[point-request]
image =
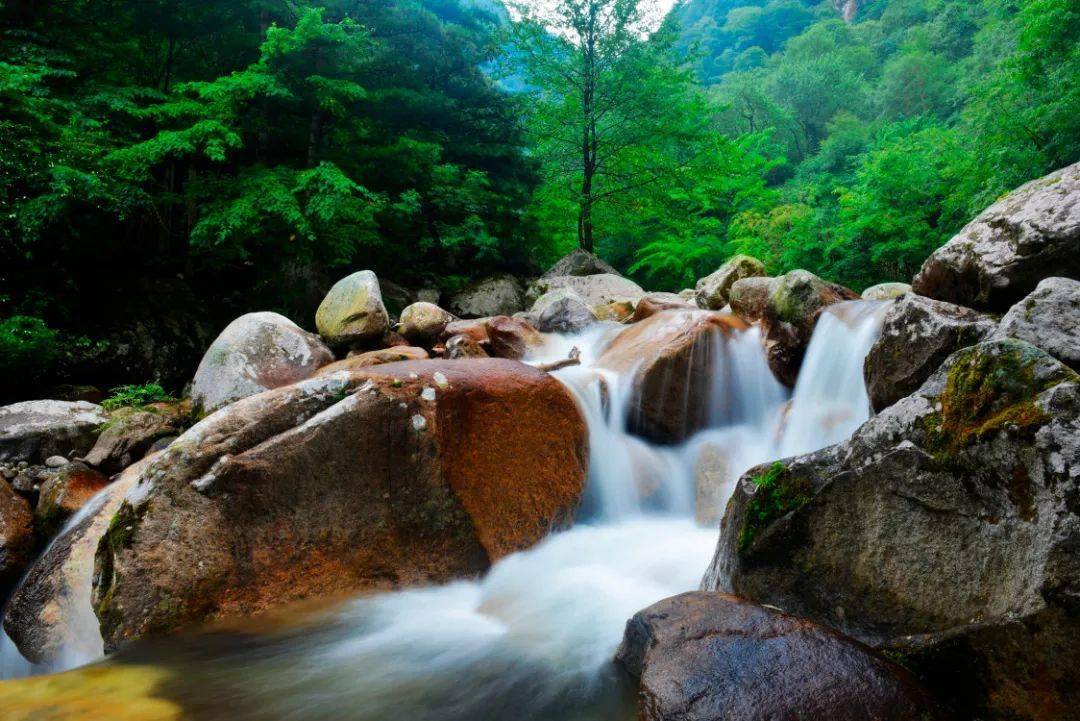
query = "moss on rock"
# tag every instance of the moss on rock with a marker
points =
(778, 493)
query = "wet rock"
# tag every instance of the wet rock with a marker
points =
(579, 262)
(131, 432)
(463, 346)
(353, 311)
(668, 359)
(749, 297)
(55, 461)
(950, 513)
(917, 335)
(423, 323)
(712, 290)
(475, 328)
(400, 474)
(374, 358)
(998, 258)
(52, 604)
(689, 295)
(715, 657)
(609, 297)
(256, 352)
(495, 295)
(885, 291)
(1049, 318)
(512, 337)
(562, 311)
(62, 495)
(653, 303)
(32, 431)
(16, 537)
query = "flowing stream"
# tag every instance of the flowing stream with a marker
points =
(534, 638)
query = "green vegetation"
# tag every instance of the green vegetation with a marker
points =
(778, 493)
(136, 396)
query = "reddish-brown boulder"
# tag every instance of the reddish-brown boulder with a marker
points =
(511, 337)
(130, 432)
(669, 358)
(463, 346)
(63, 494)
(653, 303)
(715, 657)
(16, 536)
(475, 328)
(400, 474)
(393, 354)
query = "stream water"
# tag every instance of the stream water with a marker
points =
(535, 637)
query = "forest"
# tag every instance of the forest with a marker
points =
(166, 160)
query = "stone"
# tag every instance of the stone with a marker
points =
(917, 335)
(998, 258)
(949, 517)
(749, 297)
(712, 291)
(494, 295)
(52, 604)
(598, 292)
(886, 291)
(353, 311)
(400, 474)
(463, 346)
(716, 657)
(55, 462)
(16, 538)
(668, 360)
(62, 495)
(475, 328)
(1048, 318)
(32, 431)
(256, 352)
(579, 262)
(423, 323)
(512, 337)
(130, 433)
(374, 358)
(689, 295)
(562, 311)
(653, 303)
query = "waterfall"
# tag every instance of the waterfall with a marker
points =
(534, 638)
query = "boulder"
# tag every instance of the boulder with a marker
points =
(1048, 318)
(579, 262)
(997, 259)
(949, 516)
(353, 311)
(495, 295)
(653, 303)
(401, 474)
(712, 291)
(475, 328)
(917, 335)
(423, 323)
(32, 431)
(610, 297)
(562, 311)
(689, 295)
(668, 358)
(374, 358)
(16, 537)
(130, 432)
(715, 657)
(256, 352)
(463, 346)
(749, 297)
(885, 291)
(50, 613)
(62, 495)
(512, 337)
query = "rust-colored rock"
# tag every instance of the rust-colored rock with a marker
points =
(63, 494)
(669, 356)
(475, 328)
(130, 433)
(399, 474)
(16, 537)
(463, 346)
(653, 303)
(394, 354)
(511, 337)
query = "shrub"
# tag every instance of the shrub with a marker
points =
(136, 396)
(28, 347)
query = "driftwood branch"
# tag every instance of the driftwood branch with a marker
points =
(573, 360)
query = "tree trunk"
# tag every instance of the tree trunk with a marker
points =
(588, 134)
(315, 133)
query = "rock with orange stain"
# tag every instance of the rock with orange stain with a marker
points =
(16, 537)
(63, 495)
(393, 354)
(669, 359)
(399, 474)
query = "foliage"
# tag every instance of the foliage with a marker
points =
(135, 396)
(27, 346)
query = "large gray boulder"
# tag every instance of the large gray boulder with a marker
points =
(886, 291)
(32, 431)
(496, 295)
(353, 311)
(950, 517)
(562, 311)
(579, 262)
(715, 657)
(712, 291)
(609, 297)
(256, 352)
(917, 335)
(1048, 318)
(997, 259)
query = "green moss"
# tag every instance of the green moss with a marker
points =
(779, 492)
(122, 527)
(136, 396)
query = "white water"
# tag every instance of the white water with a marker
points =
(534, 638)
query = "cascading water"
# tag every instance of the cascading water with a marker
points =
(535, 637)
